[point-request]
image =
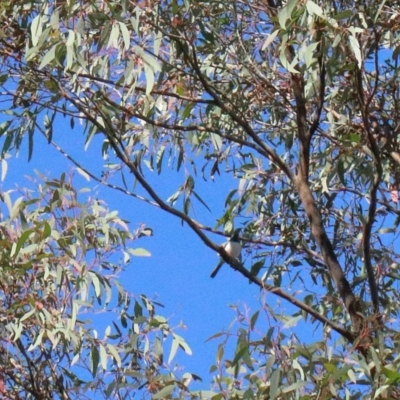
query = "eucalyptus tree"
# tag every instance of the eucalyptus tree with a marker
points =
(59, 284)
(297, 101)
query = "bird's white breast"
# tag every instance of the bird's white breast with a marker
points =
(233, 249)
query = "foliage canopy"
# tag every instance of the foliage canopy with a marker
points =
(297, 100)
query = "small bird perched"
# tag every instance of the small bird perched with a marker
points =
(232, 247)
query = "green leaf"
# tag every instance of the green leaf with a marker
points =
(37, 342)
(21, 242)
(254, 319)
(201, 200)
(310, 57)
(284, 15)
(46, 230)
(294, 386)
(257, 266)
(157, 42)
(164, 392)
(178, 342)
(115, 354)
(74, 314)
(343, 15)
(125, 35)
(103, 357)
(274, 383)
(355, 45)
(174, 349)
(292, 321)
(27, 315)
(387, 230)
(30, 143)
(49, 57)
(150, 60)
(314, 9)
(187, 110)
(355, 138)
(270, 39)
(146, 232)
(160, 156)
(216, 141)
(114, 35)
(149, 80)
(94, 358)
(206, 32)
(139, 252)
(96, 284)
(392, 374)
(4, 169)
(36, 29)
(3, 79)
(352, 376)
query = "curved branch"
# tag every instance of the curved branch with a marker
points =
(198, 228)
(233, 138)
(231, 261)
(364, 106)
(307, 199)
(237, 266)
(328, 254)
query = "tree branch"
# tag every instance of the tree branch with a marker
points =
(328, 254)
(270, 153)
(364, 106)
(232, 138)
(322, 82)
(124, 156)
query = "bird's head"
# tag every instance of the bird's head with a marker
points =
(235, 235)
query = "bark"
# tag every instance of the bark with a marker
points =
(329, 256)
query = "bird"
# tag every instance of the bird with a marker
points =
(232, 247)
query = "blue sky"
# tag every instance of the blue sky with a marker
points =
(177, 273)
